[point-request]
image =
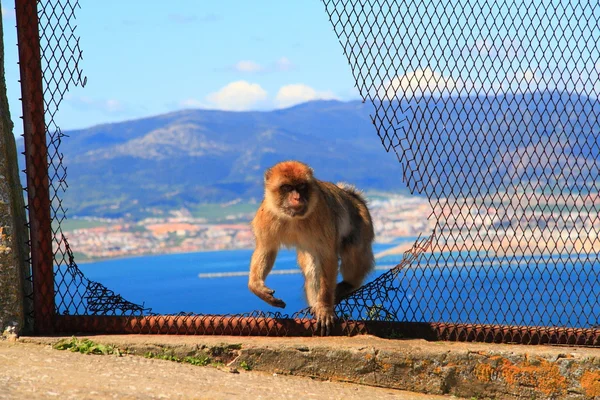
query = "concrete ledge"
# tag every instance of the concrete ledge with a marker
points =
(471, 370)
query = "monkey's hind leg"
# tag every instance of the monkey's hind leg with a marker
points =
(319, 284)
(310, 270)
(357, 262)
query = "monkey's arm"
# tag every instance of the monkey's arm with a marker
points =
(261, 264)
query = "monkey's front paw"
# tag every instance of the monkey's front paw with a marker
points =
(275, 302)
(324, 316)
(266, 294)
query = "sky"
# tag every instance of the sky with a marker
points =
(143, 58)
(149, 57)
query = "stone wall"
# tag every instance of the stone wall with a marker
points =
(13, 247)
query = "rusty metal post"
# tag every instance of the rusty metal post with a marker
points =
(36, 161)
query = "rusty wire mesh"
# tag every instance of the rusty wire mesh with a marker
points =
(491, 107)
(58, 58)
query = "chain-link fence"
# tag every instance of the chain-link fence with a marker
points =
(492, 110)
(49, 56)
(61, 70)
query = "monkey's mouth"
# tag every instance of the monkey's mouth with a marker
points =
(296, 211)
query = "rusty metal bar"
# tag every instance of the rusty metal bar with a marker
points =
(256, 326)
(183, 325)
(517, 334)
(203, 325)
(36, 161)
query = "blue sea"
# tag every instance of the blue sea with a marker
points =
(172, 283)
(559, 290)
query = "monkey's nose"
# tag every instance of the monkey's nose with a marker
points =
(296, 203)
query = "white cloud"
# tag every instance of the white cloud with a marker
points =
(290, 95)
(533, 79)
(596, 78)
(484, 44)
(113, 105)
(527, 80)
(529, 75)
(284, 64)
(109, 106)
(485, 47)
(182, 18)
(238, 96)
(248, 66)
(192, 103)
(418, 83)
(8, 13)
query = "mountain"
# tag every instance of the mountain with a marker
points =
(474, 145)
(454, 146)
(202, 156)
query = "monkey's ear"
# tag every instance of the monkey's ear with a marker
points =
(268, 174)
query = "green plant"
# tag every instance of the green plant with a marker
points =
(244, 365)
(163, 356)
(377, 312)
(85, 346)
(198, 361)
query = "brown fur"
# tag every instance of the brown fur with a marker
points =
(324, 222)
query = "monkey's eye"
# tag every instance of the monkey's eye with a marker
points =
(301, 187)
(286, 188)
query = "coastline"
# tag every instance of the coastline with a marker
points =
(528, 243)
(125, 257)
(131, 256)
(523, 246)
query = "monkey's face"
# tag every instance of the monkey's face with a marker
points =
(289, 189)
(294, 198)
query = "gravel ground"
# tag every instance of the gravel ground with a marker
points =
(32, 371)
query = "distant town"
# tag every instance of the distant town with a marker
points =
(96, 238)
(563, 225)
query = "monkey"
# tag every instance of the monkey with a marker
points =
(326, 223)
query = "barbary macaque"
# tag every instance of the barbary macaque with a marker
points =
(325, 223)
